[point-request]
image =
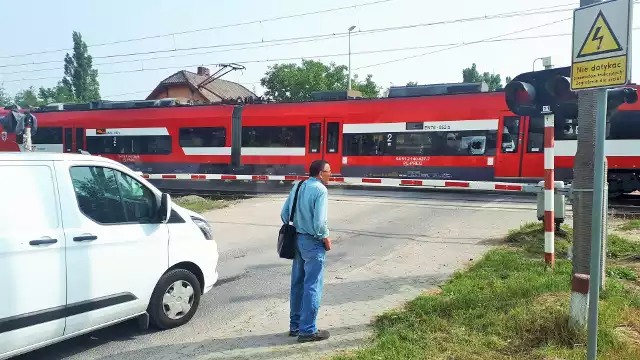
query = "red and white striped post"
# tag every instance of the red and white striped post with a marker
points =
(549, 221)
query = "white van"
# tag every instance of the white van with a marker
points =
(85, 243)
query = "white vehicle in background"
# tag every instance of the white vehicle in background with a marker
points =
(86, 243)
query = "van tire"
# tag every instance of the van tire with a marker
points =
(167, 283)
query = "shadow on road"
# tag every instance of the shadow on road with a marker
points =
(344, 292)
(244, 346)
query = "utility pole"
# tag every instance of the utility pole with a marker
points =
(582, 202)
(350, 30)
(600, 61)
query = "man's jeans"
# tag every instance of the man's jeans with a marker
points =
(307, 275)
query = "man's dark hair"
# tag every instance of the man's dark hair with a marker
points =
(316, 167)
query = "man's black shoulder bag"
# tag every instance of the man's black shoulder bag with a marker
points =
(287, 235)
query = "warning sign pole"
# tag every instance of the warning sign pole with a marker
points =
(600, 60)
(597, 223)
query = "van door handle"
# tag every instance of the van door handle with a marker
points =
(85, 238)
(43, 242)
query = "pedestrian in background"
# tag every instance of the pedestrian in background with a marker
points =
(312, 239)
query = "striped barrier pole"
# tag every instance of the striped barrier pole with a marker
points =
(549, 221)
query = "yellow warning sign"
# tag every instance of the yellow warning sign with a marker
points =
(600, 40)
(599, 73)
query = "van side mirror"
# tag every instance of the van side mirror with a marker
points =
(165, 208)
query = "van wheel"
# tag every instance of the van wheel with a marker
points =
(175, 299)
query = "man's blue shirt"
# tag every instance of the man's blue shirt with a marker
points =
(311, 213)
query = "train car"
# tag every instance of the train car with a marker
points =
(467, 136)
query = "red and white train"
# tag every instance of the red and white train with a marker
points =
(469, 136)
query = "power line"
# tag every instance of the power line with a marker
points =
(206, 29)
(449, 47)
(293, 40)
(463, 44)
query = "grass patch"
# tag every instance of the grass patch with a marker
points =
(621, 247)
(507, 305)
(201, 204)
(630, 225)
(622, 272)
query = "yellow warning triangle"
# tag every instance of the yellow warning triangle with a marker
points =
(600, 40)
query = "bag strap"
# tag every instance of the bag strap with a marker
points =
(295, 202)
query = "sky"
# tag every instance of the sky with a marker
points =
(46, 26)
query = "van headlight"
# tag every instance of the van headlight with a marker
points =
(204, 227)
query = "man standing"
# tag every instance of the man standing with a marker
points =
(312, 239)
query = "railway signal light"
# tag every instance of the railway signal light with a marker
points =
(528, 93)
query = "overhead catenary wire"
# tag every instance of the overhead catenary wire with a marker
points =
(490, 39)
(206, 29)
(294, 40)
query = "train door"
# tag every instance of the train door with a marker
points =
(533, 155)
(510, 152)
(324, 142)
(73, 139)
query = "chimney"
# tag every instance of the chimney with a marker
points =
(203, 71)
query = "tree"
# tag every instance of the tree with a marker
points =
(292, 82)
(81, 79)
(472, 75)
(27, 98)
(5, 99)
(412, 83)
(507, 80)
(56, 94)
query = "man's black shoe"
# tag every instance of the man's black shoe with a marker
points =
(318, 336)
(293, 333)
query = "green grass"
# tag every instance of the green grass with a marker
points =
(201, 204)
(507, 305)
(622, 272)
(630, 225)
(620, 247)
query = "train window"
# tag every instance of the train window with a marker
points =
(139, 145)
(565, 129)
(414, 144)
(366, 144)
(315, 132)
(624, 125)
(45, 135)
(80, 138)
(68, 139)
(510, 134)
(333, 134)
(460, 143)
(273, 136)
(203, 137)
(535, 144)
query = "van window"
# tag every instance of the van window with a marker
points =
(33, 207)
(138, 200)
(97, 194)
(109, 196)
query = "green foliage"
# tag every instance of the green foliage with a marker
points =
(412, 83)
(630, 225)
(620, 247)
(27, 98)
(472, 75)
(508, 305)
(530, 237)
(80, 79)
(200, 204)
(56, 94)
(292, 82)
(622, 272)
(5, 98)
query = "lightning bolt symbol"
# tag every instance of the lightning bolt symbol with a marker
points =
(596, 37)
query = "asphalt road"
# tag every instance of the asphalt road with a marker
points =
(388, 246)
